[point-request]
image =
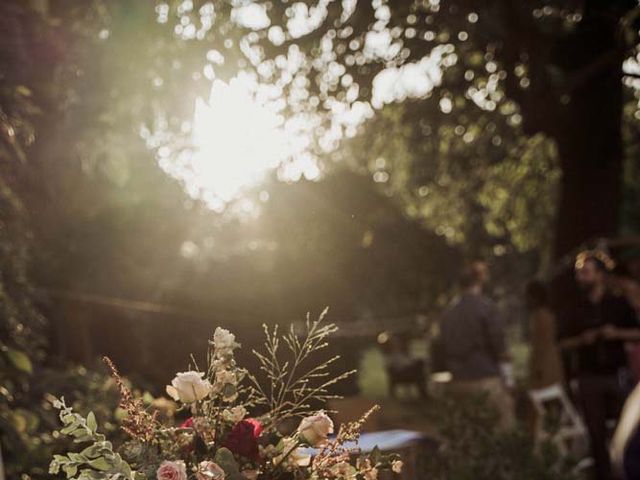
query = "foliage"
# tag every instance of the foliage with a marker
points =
(473, 447)
(22, 325)
(526, 218)
(27, 422)
(530, 65)
(97, 460)
(108, 219)
(457, 174)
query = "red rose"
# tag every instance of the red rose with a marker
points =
(188, 423)
(243, 439)
(190, 446)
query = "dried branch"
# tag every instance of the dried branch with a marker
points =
(138, 423)
(291, 383)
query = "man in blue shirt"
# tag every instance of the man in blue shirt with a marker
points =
(474, 345)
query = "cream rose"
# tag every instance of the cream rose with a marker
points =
(315, 429)
(208, 470)
(224, 342)
(172, 471)
(189, 387)
(396, 466)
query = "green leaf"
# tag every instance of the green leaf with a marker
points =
(20, 360)
(70, 428)
(147, 398)
(24, 420)
(19, 421)
(375, 455)
(91, 422)
(24, 91)
(77, 457)
(93, 451)
(228, 463)
(70, 470)
(54, 467)
(100, 464)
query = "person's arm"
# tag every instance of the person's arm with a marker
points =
(588, 337)
(626, 334)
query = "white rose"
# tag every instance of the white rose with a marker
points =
(189, 387)
(396, 466)
(315, 429)
(209, 470)
(234, 415)
(172, 471)
(224, 342)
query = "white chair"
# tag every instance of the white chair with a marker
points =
(570, 436)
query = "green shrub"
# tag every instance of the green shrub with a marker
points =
(473, 448)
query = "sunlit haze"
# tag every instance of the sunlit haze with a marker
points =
(237, 141)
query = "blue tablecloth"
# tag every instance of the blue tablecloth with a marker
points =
(386, 440)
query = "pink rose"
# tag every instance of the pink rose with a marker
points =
(172, 471)
(210, 471)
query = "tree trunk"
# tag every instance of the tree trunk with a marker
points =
(588, 127)
(591, 159)
(575, 97)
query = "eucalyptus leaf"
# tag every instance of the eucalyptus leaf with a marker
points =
(91, 422)
(100, 464)
(20, 360)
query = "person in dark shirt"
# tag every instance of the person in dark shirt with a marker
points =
(594, 331)
(473, 343)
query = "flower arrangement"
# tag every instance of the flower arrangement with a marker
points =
(220, 440)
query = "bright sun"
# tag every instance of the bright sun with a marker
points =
(238, 141)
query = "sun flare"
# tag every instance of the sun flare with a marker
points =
(237, 140)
